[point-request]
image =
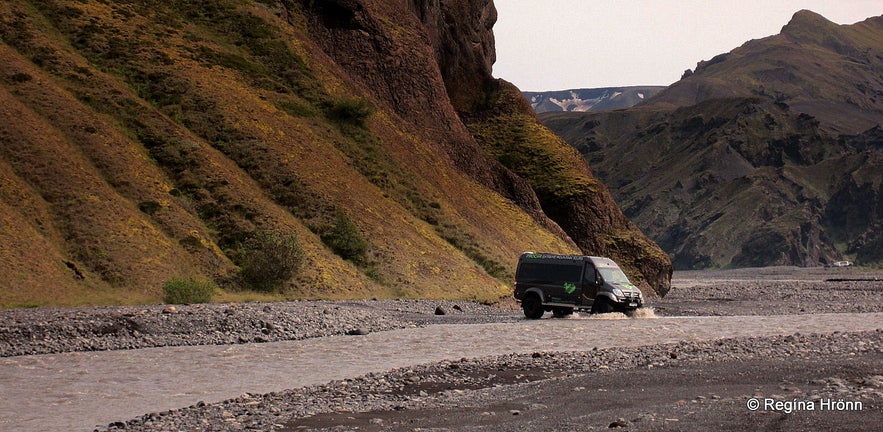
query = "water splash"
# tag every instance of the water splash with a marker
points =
(641, 313)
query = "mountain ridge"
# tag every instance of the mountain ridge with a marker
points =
(744, 161)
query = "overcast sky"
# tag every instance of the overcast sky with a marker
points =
(565, 44)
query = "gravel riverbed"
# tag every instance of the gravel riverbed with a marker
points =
(383, 401)
(476, 390)
(769, 291)
(55, 330)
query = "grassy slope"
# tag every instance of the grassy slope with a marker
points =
(141, 145)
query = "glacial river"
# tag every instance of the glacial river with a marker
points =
(79, 391)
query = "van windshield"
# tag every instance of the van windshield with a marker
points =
(614, 275)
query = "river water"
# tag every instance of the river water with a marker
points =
(79, 391)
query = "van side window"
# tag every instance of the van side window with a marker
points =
(589, 277)
(537, 272)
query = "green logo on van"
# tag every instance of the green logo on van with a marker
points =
(569, 287)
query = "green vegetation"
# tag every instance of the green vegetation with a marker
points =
(350, 111)
(530, 150)
(268, 259)
(467, 244)
(344, 239)
(188, 290)
(184, 153)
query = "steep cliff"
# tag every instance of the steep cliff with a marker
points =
(494, 111)
(145, 140)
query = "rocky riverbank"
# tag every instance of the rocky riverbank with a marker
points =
(493, 392)
(45, 331)
(770, 291)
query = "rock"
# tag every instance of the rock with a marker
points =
(170, 310)
(358, 332)
(440, 311)
(620, 423)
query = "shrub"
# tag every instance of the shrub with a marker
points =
(188, 290)
(21, 77)
(149, 207)
(344, 240)
(350, 111)
(269, 259)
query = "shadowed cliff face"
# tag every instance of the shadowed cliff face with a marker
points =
(567, 189)
(465, 52)
(461, 48)
(577, 202)
(391, 55)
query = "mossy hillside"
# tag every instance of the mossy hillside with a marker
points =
(530, 150)
(214, 126)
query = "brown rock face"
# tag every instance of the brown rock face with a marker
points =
(441, 67)
(401, 62)
(465, 52)
(434, 64)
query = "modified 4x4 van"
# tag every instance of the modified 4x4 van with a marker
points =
(562, 283)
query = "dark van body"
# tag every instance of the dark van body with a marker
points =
(563, 283)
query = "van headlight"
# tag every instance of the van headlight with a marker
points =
(618, 293)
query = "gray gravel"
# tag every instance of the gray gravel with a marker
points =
(467, 382)
(459, 383)
(773, 291)
(55, 330)
(768, 291)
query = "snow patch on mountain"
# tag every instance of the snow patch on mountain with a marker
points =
(582, 100)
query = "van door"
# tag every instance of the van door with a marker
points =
(561, 281)
(590, 284)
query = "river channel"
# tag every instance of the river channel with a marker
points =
(79, 391)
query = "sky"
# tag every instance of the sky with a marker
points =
(547, 45)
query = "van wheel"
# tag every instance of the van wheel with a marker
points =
(561, 312)
(602, 305)
(533, 307)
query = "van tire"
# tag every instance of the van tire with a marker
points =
(561, 312)
(602, 305)
(532, 306)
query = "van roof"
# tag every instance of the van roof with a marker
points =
(596, 260)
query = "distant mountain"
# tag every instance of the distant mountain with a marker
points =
(146, 141)
(584, 100)
(771, 154)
